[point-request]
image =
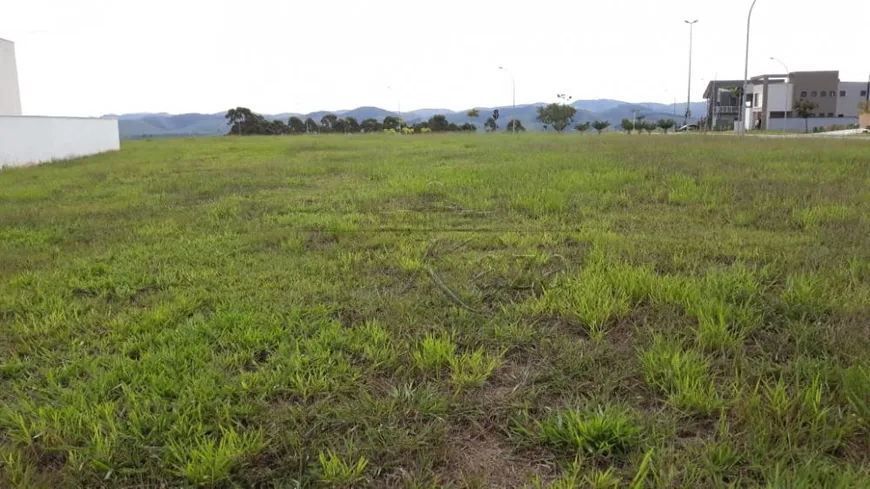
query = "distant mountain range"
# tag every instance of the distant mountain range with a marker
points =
(141, 125)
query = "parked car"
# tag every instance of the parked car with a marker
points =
(688, 127)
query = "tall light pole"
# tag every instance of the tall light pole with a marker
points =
(514, 92)
(668, 92)
(398, 101)
(689, 97)
(787, 79)
(742, 127)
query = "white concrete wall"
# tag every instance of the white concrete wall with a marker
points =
(797, 124)
(10, 98)
(776, 97)
(31, 140)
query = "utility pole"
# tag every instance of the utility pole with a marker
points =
(742, 127)
(514, 92)
(787, 89)
(689, 97)
(398, 102)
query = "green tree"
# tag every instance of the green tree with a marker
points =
(351, 125)
(468, 127)
(296, 125)
(805, 108)
(600, 126)
(311, 127)
(371, 125)
(453, 127)
(242, 121)
(627, 125)
(666, 124)
(327, 123)
(392, 122)
(473, 114)
(582, 128)
(559, 115)
(235, 117)
(490, 125)
(439, 123)
(517, 123)
(276, 128)
(649, 127)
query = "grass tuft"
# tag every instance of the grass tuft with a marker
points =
(472, 369)
(336, 472)
(601, 431)
(434, 353)
(208, 460)
(682, 375)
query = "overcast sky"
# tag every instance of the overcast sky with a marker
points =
(91, 57)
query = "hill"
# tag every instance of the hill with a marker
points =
(139, 125)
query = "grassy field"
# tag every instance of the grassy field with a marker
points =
(460, 311)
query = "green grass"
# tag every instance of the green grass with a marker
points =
(438, 311)
(601, 431)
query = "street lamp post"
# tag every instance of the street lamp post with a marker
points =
(689, 97)
(742, 119)
(787, 79)
(514, 94)
(668, 92)
(398, 101)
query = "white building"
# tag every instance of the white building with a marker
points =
(10, 98)
(770, 100)
(774, 96)
(28, 140)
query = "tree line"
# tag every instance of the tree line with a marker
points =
(243, 121)
(558, 116)
(641, 124)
